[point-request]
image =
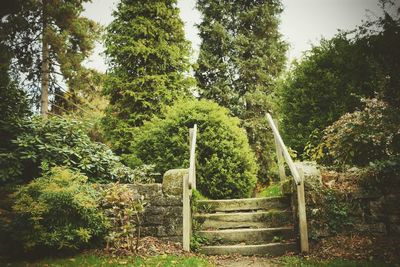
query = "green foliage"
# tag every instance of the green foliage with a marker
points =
(58, 211)
(70, 38)
(197, 241)
(149, 57)
(328, 81)
(59, 141)
(241, 54)
(382, 176)
(328, 209)
(13, 102)
(273, 190)
(14, 107)
(361, 137)
(336, 211)
(125, 210)
(85, 103)
(225, 164)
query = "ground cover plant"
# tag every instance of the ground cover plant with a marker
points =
(88, 260)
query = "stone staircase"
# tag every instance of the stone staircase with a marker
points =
(251, 226)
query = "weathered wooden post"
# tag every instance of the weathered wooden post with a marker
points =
(189, 183)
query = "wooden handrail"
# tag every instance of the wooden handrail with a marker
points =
(286, 155)
(189, 183)
(298, 178)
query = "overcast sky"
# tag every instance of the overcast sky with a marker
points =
(303, 22)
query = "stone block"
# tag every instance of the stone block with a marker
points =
(312, 175)
(173, 181)
(166, 201)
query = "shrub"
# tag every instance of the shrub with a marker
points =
(225, 164)
(58, 141)
(126, 211)
(58, 211)
(361, 137)
(382, 176)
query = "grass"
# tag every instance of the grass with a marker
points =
(108, 261)
(302, 262)
(273, 190)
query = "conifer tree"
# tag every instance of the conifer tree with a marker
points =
(148, 57)
(48, 40)
(241, 55)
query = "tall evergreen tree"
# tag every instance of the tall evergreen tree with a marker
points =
(48, 40)
(241, 54)
(148, 56)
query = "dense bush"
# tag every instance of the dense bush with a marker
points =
(327, 82)
(361, 137)
(382, 176)
(58, 141)
(225, 164)
(58, 211)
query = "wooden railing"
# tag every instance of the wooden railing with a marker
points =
(283, 155)
(189, 183)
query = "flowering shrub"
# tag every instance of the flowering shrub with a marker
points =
(361, 137)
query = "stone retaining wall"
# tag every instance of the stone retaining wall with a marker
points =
(364, 212)
(162, 216)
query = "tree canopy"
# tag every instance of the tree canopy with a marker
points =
(148, 56)
(241, 55)
(48, 41)
(329, 81)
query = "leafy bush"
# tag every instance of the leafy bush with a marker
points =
(126, 211)
(362, 137)
(328, 211)
(59, 141)
(326, 83)
(225, 164)
(382, 176)
(58, 211)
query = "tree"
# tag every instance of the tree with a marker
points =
(148, 57)
(332, 77)
(48, 40)
(241, 54)
(14, 105)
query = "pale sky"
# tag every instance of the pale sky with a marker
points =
(303, 22)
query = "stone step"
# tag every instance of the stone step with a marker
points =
(272, 249)
(248, 236)
(228, 205)
(260, 219)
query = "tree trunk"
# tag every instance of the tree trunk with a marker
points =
(45, 76)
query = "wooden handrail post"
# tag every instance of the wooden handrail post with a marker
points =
(189, 183)
(303, 229)
(298, 177)
(186, 213)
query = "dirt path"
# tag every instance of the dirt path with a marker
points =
(244, 262)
